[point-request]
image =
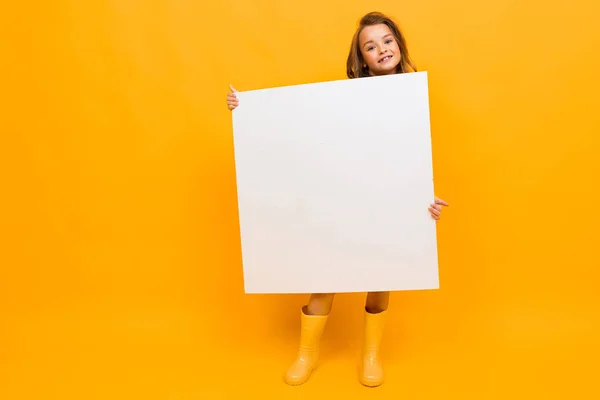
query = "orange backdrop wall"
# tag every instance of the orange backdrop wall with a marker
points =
(120, 271)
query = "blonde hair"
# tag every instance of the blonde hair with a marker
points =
(355, 63)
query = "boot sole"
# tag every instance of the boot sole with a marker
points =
(371, 384)
(298, 383)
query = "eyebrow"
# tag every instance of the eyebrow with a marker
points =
(370, 41)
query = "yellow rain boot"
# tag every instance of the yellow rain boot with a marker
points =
(371, 369)
(312, 327)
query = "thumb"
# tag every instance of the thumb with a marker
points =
(232, 89)
(440, 201)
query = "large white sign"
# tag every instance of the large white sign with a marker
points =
(334, 180)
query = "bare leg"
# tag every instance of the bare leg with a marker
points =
(320, 303)
(377, 302)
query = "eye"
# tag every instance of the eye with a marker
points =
(388, 41)
(370, 48)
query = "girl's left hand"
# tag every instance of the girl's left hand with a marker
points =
(436, 208)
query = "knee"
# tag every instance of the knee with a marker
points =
(322, 296)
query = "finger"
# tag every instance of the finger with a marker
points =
(435, 206)
(232, 89)
(433, 211)
(440, 201)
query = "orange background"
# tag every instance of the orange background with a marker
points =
(120, 265)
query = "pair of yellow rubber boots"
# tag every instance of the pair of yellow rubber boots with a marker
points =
(312, 326)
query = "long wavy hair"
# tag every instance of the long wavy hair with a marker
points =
(355, 64)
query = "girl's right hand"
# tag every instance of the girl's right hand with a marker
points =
(232, 100)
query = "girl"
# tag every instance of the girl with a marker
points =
(378, 48)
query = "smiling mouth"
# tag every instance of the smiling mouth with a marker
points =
(384, 59)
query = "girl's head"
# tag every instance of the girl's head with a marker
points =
(378, 48)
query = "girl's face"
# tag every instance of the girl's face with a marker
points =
(379, 49)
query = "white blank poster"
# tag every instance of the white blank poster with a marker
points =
(334, 180)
